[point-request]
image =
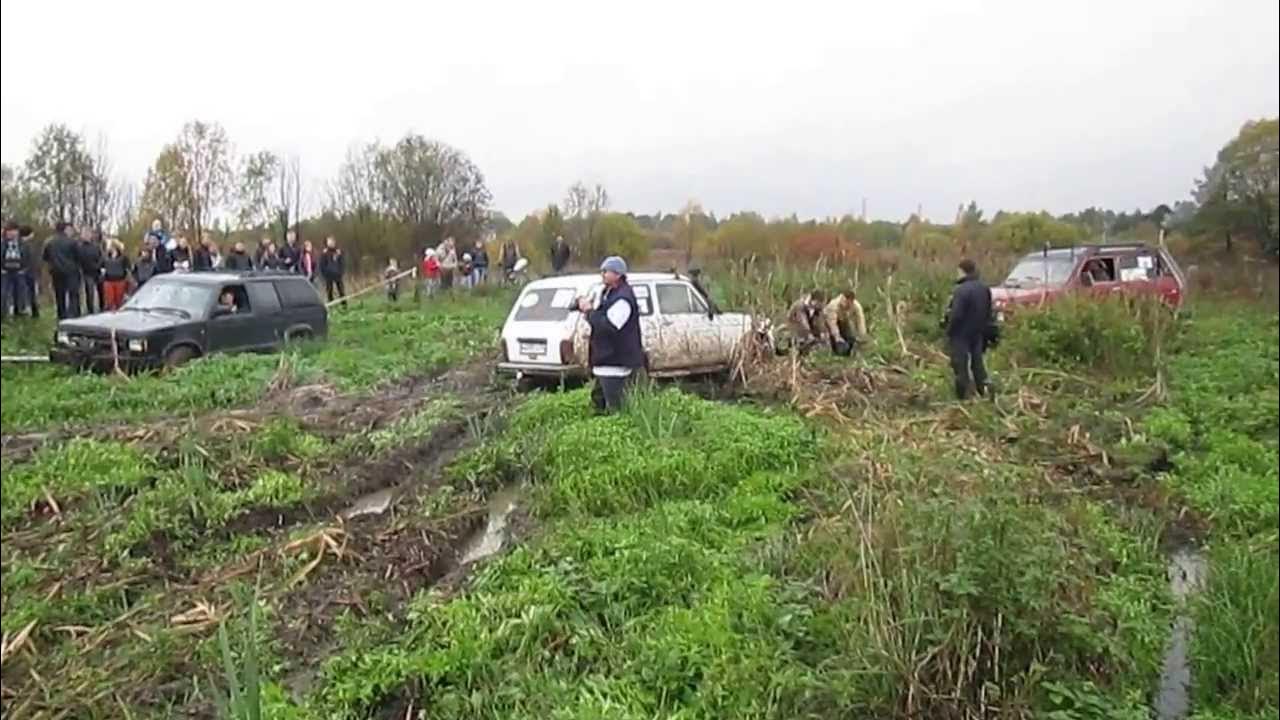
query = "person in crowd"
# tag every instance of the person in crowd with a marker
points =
(215, 255)
(464, 270)
(332, 268)
(144, 268)
(388, 277)
(238, 259)
(307, 261)
(61, 254)
(268, 259)
(845, 323)
(228, 300)
(559, 255)
(115, 276)
(510, 256)
(968, 321)
(89, 253)
(202, 258)
(695, 279)
(13, 283)
(31, 273)
(479, 265)
(156, 234)
(448, 263)
(805, 321)
(616, 350)
(431, 271)
(181, 254)
(290, 254)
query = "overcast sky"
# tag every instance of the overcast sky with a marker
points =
(777, 107)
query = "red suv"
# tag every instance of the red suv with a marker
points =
(1095, 269)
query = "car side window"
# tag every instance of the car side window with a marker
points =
(675, 299)
(264, 298)
(297, 293)
(643, 300)
(236, 298)
(1099, 270)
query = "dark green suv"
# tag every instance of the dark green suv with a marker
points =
(176, 317)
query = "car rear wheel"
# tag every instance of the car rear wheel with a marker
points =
(178, 356)
(297, 335)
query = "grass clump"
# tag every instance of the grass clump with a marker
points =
(104, 470)
(1114, 337)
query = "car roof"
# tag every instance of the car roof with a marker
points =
(1083, 250)
(222, 277)
(583, 279)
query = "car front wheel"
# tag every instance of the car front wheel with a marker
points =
(178, 356)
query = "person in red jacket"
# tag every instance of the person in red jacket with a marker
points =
(430, 272)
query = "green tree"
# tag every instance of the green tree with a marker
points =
(741, 236)
(64, 177)
(583, 209)
(253, 206)
(165, 190)
(619, 234)
(206, 166)
(1240, 193)
(432, 187)
(1022, 232)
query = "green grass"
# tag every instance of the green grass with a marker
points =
(369, 343)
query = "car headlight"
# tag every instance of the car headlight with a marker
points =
(137, 345)
(63, 338)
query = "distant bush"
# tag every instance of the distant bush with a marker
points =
(1118, 337)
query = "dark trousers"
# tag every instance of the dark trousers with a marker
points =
(843, 342)
(92, 294)
(966, 363)
(33, 294)
(66, 295)
(609, 393)
(335, 283)
(13, 292)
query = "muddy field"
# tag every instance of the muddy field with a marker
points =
(827, 537)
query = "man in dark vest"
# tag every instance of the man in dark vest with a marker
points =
(616, 349)
(968, 323)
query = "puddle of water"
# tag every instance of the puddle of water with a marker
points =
(494, 535)
(374, 503)
(1186, 572)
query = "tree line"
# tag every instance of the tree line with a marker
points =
(393, 200)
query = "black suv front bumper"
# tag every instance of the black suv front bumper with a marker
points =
(101, 360)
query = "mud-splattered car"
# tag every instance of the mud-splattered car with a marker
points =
(546, 337)
(1092, 270)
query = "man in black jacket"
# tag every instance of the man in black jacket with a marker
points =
(616, 349)
(332, 268)
(968, 319)
(238, 260)
(62, 255)
(290, 254)
(559, 255)
(90, 254)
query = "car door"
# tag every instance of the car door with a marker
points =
(687, 334)
(271, 318)
(236, 331)
(1099, 276)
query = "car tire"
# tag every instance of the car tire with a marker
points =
(179, 356)
(297, 335)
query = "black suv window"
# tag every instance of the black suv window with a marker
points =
(239, 298)
(297, 292)
(263, 295)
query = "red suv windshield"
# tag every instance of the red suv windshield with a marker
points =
(1053, 268)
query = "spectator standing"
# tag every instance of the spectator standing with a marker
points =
(559, 255)
(307, 263)
(332, 268)
(430, 271)
(448, 263)
(510, 256)
(238, 260)
(63, 258)
(215, 255)
(202, 258)
(31, 272)
(89, 252)
(969, 317)
(13, 284)
(267, 258)
(115, 276)
(289, 254)
(145, 267)
(479, 265)
(393, 286)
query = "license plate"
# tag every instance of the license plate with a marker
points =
(533, 348)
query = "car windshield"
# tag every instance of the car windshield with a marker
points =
(1033, 270)
(551, 304)
(191, 301)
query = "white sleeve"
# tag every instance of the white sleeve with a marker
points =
(619, 313)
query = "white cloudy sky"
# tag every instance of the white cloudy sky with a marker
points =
(772, 106)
